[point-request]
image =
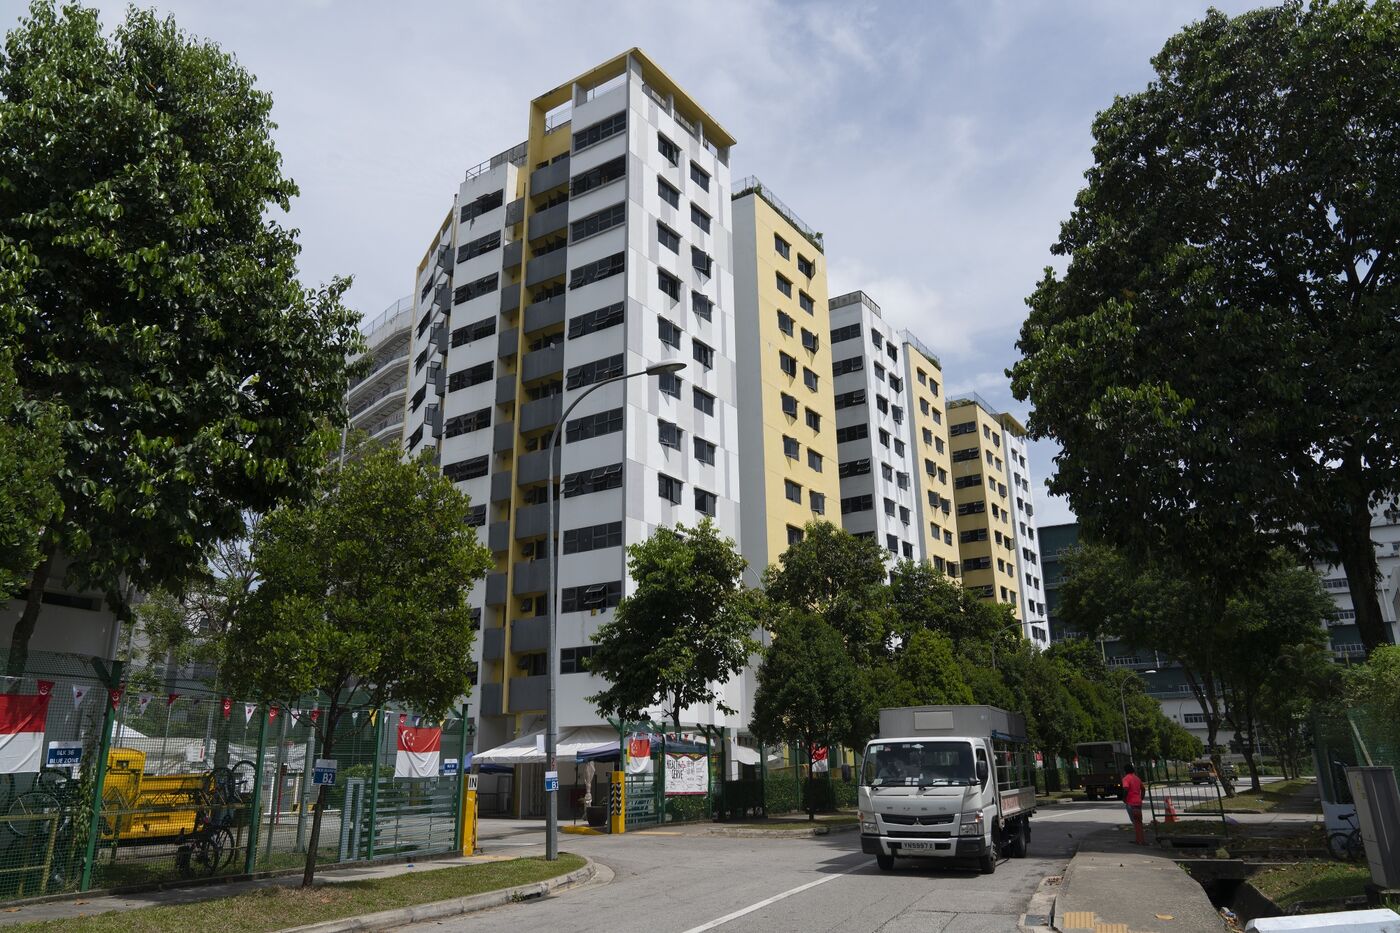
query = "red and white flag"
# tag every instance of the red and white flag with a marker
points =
(79, 692)
(22, 721)
(248, 710)
(821, 763)
(143, 701)
(419, 752)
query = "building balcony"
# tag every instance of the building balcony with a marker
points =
(368, 406)
(496, 589)
(528, 693)
(505, 389)
(442, 298)
(500, 486)
(531, 521)
(541, 363)
(541, 413)
(503, 436)
(512, 254)
(529, 634)
(507, 342)
(510, 298)
(515, 212)
(445, 260)
(490, 699)
(542, 314)
(498, 536)
(549, 177)
(543, 268)
(534, 467)
(493, 644)
(530, 576)
(550, 220)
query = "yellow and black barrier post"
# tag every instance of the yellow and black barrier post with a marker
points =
(466, 830)
(617, 803)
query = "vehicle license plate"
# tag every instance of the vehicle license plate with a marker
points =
(917, 846)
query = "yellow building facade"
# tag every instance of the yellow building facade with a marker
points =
(933, 465)
(982, 502)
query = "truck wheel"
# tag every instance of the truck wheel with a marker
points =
(1022, 842)
(886, 862)
(988, 862)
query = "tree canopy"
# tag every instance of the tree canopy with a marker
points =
(195, 374)
(683, 632)
(1217, 359)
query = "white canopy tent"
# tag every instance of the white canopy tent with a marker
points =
(529, 748)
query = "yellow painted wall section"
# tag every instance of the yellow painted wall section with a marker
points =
(996, 520)
(778, 467)
(924, 381)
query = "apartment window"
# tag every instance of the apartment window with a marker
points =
(668, 237)
(473, 332)
(849, 332)
(901, 480)
(790, 447)
(603, 129)
(853, 364)
(976, 534)
(929, 468)
(784, 285)
(857, 504)
(604, 174)
(814, 460)
(972, 508)
(977, 563)
(700, 176)
(785, 323)
(794, 534)
(597, 222)
(892, 544)
(596, 271)
(792, 491)
(805, 302)
(817, 501)
(898, 447)
(669, 284)
(806, 266)
(595, 371)
(704, 451)
(963, 482)
(487, 202)
(593, 537)
(814, 421)
(669, 193)
(466, 424)
(575, 660)
(849, 399)
(595, 596)
(897, 414)
(465, 378)
(927, 435)
(789, 404)
(876, 340)
(701, 261)
(783, 247)
(882, 404)
(700, 218)
(810, 343)
(669, 488)
(596, 425)
(599, 319)
(879, 373)
(670, 334)
(923, 405)
(942, 475)
(476, 516)
(668, 149)
(938, 444)
(892, 353)
(670, 435)
(466, 469)
(705, 502)
(479, 247)
(884, 438)
(852, 433)
(887, 472)
(933, 387)
(937, 416)
(704, 401)
(809, 379)
(482, 286)
(701, 304)
(788, 364)
(703, 353)
(896, 383)
(963, 456)
(597, 479)
(670, 384)
(854, 467)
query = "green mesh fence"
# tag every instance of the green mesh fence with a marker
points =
(194, 784)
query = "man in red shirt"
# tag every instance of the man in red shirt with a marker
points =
(1132, 798)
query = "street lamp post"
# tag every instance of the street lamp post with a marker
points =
(1123, 702)
(551, 736)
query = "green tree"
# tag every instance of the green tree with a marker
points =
(361, 593)
(805, 684)
(924, 671)
(1218, 357)
(922, 597)
(1301, 678)
(196, 376)
(841, 578)
(683, 632)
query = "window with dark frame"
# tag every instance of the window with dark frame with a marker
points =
(669, 284)
(705, 502)
(669, 488)
(704, 401)
(669, 150)
(704, 451)
(669, 193)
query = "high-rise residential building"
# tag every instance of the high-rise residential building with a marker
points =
(874, 440)
(932, 461)
(787, 423)
(598, 246)
(377, 398)
(984, 444)
(1031, 581)
(1342, 634)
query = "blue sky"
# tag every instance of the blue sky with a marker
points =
(937, 145)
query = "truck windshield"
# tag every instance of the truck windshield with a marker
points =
(918, 764)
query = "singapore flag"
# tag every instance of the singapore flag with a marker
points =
(22, 721)
(418, 754)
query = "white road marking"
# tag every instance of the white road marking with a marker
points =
(764, 903)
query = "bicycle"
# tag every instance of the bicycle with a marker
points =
(1347, 846)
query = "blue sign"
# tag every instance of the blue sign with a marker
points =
(64, 755)
(551, 781)
(324, 772)
(449, 766)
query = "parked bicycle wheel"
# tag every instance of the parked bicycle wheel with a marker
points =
(245, 772)
(227, 846)
(54, 780)
(204, 857)
(29, 814)
(1346, 846)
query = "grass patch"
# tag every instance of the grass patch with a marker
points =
(1271, 796)
(1312, 881)
(276, 908)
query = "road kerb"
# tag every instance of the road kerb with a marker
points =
(1040, 912)
(437, 910)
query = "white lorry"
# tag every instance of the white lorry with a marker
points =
(947, 782)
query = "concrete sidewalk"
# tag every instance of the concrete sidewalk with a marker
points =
(1112, 886)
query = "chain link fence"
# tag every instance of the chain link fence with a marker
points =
(119, 778)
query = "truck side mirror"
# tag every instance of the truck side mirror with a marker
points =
(981, 771)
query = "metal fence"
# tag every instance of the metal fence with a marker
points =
(130, 783)
(1186, 814)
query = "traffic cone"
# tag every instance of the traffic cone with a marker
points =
(1171, 811)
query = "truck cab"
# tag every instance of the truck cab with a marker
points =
(947, 782)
